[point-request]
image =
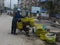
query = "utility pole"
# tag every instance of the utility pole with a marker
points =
(18, 3)
(10, 6)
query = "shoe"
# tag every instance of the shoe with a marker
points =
(15, 33)
(11, 32)
(28, 35)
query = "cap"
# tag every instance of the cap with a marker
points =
(18, 10)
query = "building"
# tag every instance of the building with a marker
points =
(18, 5)
(1, 4)
(28, 3)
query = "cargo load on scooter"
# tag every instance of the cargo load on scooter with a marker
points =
(19, 25)
(24, 19)
(51, 37)
(31, 21)
(40, 29)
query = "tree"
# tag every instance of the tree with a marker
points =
(51, 7)
(15, 8)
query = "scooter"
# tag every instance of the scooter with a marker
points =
(24, 24)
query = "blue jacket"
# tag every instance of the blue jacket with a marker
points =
(18, 16)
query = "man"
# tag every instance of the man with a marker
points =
(38, 15)
(16, 17)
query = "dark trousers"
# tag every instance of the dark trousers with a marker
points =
(25, 28)
(14, 24)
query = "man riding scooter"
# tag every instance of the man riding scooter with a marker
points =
(16, 17)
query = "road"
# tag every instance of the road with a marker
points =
(8, 39)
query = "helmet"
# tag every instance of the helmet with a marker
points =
(18, 9)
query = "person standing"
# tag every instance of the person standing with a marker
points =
(16, 17)
(37, 14)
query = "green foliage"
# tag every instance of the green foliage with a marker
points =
(15, 8)
(50, 5)
(58, 0)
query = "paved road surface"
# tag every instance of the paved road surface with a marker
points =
(7, 39)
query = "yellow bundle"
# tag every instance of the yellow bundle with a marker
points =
(39, 29)
(19, 25)
(31, 21)
(24, 19)
(42, 37)
(39, 26)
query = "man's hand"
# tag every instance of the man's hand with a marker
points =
(19, 20)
